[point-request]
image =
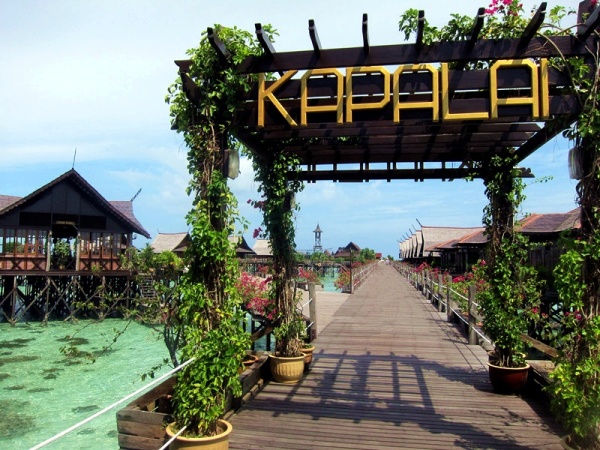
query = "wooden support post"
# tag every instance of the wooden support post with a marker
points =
(312, 308)
(430, 295)
(472, 332)
(440, 303)
(430, 286)
(449, 314)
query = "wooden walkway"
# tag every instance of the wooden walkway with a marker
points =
(390, 372)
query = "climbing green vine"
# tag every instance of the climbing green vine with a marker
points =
(512, 297)
(279, 190)
(209, 314)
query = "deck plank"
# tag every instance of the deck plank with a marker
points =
(390, 372)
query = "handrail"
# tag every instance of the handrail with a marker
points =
(108, 408)
(442, 294)
(362, 274)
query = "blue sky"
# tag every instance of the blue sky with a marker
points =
(91, 77)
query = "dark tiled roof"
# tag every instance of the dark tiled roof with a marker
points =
(550, 223)
(475, 238)
(7, 200)
(122, 210)
(434, 236)
(125, 207)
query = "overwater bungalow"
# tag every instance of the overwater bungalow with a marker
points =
(59, 243)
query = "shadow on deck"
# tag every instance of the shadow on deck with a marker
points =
(390, 372)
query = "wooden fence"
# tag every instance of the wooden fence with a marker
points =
(437, 288)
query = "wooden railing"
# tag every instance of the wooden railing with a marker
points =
(359, 274)
(437, 288)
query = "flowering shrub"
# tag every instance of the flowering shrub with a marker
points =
(308, 275)
(461, 283)
(263, 270)
(508, 7)
(343, 280)
(255, 296)
(421, 267)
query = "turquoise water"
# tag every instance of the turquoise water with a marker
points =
(43, 392)
(328, 284)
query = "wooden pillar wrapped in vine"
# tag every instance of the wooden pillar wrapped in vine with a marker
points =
(512, 295)
(278, 191)
(575, 383)
(209, 317)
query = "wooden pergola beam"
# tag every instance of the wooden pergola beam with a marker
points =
(264, 40)
(365, 33)
(191, 90)
(420, 29)
(419, 173)
(534, 25)
(314, 37)
(218, 45)
(477, 25)
(484, 49)
(592, 22)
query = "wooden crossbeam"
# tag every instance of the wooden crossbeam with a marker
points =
(534, 25)
(477, 26)
(484, 49)
(541, 137)
(365, 33)
(191, 90)
(264, 40)
(420, 29)
(314, 37)
(592, 22)
(218, 45)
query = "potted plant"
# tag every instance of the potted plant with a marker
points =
(278, 190)
(288, 362)
(511, 298)
(308, 349)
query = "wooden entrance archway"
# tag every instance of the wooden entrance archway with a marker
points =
(407, 111)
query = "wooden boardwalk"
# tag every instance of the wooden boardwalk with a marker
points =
(390, 372)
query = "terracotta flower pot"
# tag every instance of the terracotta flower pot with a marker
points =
(508, 380)
(217, 442)
(287, 369)
(308, 356)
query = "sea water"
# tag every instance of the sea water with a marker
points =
(44, 391)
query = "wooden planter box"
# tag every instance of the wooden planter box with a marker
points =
(141, 424)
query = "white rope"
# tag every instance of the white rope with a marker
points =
(173, 438)
(108, 408)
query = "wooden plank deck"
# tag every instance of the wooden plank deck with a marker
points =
(390, 372)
